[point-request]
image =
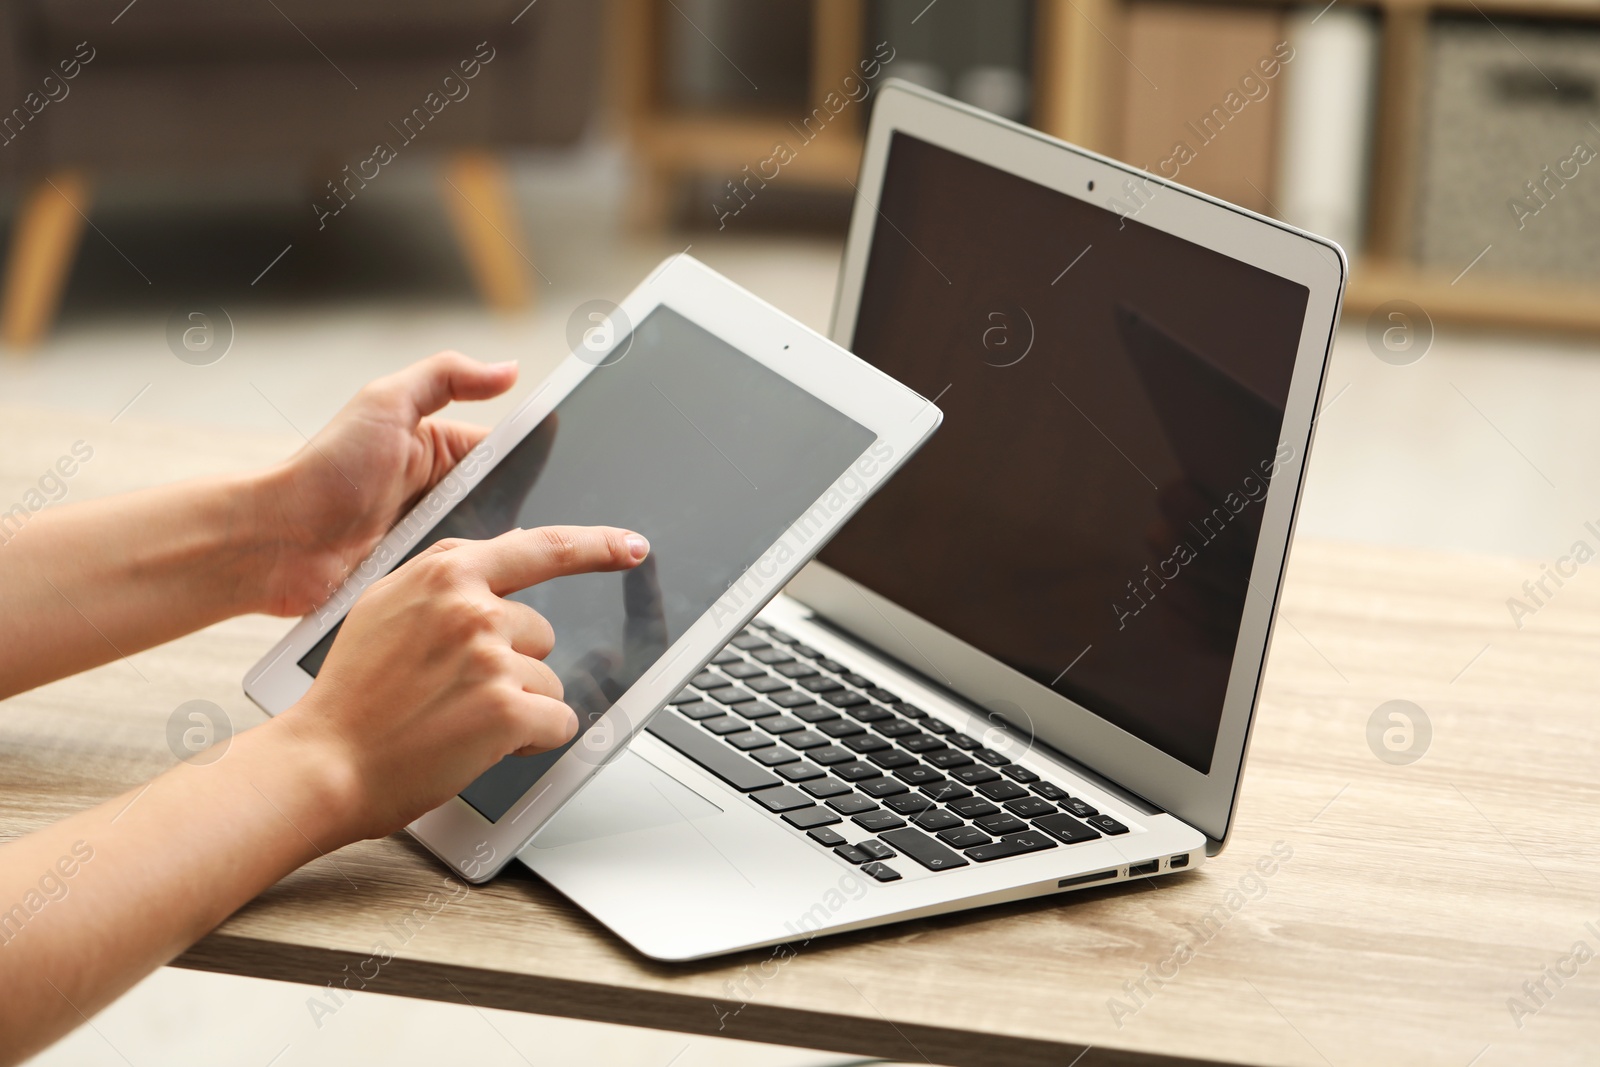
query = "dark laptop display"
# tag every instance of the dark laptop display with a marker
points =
(1089, 512)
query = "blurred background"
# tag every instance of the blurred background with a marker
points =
(234, 214)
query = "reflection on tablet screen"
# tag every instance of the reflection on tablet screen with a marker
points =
(687, 440)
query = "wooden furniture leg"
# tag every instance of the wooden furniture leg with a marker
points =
(477, 195)
(48, 226)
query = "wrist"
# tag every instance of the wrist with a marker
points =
(309, 778)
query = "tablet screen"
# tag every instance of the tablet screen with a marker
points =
(705, 451)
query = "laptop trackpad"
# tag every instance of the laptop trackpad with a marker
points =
(631, 794)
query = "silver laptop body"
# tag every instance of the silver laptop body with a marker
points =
(932, 717)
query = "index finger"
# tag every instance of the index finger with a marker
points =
(520, 558)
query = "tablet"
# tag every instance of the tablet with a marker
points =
(733, 437)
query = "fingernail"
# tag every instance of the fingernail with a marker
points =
(572, 725)
(638, 546)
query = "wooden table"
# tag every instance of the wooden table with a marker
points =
(1418, 899)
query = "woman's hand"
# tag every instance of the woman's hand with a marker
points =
(331, 503)
(434, 677)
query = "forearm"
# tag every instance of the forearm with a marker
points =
(88, 583)
(92, 904)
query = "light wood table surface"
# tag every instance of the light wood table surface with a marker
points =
(1417, 902)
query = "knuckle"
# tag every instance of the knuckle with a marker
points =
(559, 545)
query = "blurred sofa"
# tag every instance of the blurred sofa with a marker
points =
(91, 89)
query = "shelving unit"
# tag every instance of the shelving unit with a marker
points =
(1077, 69)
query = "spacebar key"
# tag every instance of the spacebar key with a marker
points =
(710, 752)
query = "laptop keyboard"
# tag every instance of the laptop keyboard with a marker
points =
(816, 743)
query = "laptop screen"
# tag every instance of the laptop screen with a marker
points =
(1088, 514)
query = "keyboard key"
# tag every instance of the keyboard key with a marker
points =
(780, 635)
(767, 684)
(883, 787)
(964, 836)
(879, 693)
(918, 775)
(749, 642)
(889, 759)
(800, 772)
(731, 694)
(685, 696)
(908, 804)
(1081, 808)
(881, 871)
(974, 775)
(1067, 828)
(771, 656)
(988, 755)
(806, 818)
(1049, 790)
(806, 650)
(823, 788)
(837, 727)
(781, 799)
(708, 680)
(910, 711)
(815, 713)
(947, 791)
(831, 665)
(892, 727)
(998, 824)
(1027, 841)
(964, 742)
(795, 669)
(879, 820)
(723, 725)
(732, 767)
(701, 709)
(831, 754)
(1030, 807)
(877, 849)
(1002, 790)
(924, 849)
(865, 743)
(1106, 825)
(934, 726)
(755, 709)
(779, 725)
(873, 713)
(727, 655)
(851, 854)
(923, 743)
(749, 741)
(856, 771)
(1018, 773)
(819, 683)
(859, 680)
(775, 756)
(805, 739)
(935, 819)
(948, 759)
(852, 804)
(973, 807)
(844, 698)
(743, 669)
(826, 837)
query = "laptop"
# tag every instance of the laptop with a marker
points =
(1029, 665)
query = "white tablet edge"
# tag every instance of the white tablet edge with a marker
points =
(899, 419)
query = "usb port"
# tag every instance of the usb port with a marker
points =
(1179, 861)
(1138, 869)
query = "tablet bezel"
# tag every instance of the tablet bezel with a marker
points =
(1204, 800)
(898, 418)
